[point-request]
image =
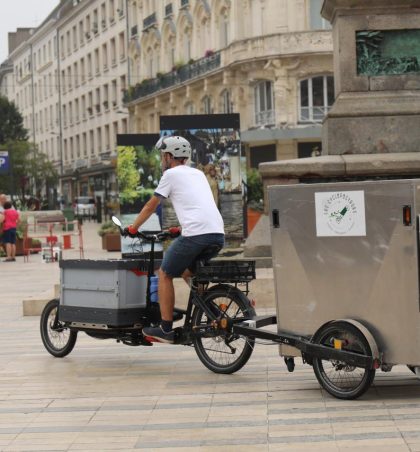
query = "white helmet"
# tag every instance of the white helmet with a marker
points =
(179, 147)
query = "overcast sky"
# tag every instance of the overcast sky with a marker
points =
(21, 13)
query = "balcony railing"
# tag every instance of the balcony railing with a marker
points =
(313, 114)
(149, 21)
(168, 9)
(176, 77)
(265, 118)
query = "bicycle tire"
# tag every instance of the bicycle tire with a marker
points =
(230, 297)
(58, 342)
(343, 381)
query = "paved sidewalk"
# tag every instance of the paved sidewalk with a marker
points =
(107, 396)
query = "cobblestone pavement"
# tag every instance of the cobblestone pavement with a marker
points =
(107, 396)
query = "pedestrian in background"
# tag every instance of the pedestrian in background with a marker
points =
(9, 218)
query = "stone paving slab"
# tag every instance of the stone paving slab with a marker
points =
(107, 396)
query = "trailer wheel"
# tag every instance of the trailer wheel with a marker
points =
(339, 379)
(56, 337)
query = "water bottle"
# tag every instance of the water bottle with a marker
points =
(154, 280)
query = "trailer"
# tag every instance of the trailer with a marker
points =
(346, 275)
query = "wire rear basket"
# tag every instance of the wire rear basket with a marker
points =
(226, 271)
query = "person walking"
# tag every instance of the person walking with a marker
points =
(9, 218)
(202, 226)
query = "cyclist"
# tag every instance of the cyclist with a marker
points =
(202, 226)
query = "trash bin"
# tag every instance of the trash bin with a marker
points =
(68, 213)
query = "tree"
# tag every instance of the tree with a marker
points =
(11, 122)
(128, 176)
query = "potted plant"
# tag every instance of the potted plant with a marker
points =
(111, 238)
(255, 206)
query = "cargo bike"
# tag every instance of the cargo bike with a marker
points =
(112, 299)
(346, 262)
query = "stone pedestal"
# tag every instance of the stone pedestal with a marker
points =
(377, 77)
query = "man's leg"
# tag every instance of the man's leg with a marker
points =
(13, 250)
(166, 296)
(8, 250)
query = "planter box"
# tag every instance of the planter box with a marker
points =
(111, 242)
(252, 217)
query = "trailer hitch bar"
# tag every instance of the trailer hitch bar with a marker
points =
(250, 328)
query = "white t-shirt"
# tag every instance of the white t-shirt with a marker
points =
(192, 200)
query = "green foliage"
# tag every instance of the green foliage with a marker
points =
(128, 176)
(108, 228)
(11, 122)
(20, 228)
(255, 189)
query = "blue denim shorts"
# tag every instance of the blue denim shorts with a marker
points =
(184, 252)
(9, 236)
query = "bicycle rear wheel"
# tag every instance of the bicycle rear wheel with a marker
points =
(222, 351)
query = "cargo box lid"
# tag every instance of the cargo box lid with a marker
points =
(111, 264)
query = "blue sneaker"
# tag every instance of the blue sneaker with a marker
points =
(156, 334)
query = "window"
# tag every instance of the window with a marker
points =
(317, 22)
(316, 97)
(111, 9)
(76, 74)
(114, 93)
(84, 144)
(113, 52)
(264, 103)
(226, 103)
(224, 30)
(121, 44)
(99, 139)
(75, 38)
(97, 61)
(105, 56)
(106, 131)
(81, 33)
(189, 108)
(91, 142)
(82, 70)
(206, 103)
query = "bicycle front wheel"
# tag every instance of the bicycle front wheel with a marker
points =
(222, 351)
(56, 337)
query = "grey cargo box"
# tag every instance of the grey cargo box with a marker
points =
(107, 292)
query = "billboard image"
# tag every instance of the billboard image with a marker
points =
(138, 174)
(216, 150)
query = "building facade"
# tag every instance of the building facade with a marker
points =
(96, 68)
(67, 81)
(269, 60)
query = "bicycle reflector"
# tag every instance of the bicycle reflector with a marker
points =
(407, 215)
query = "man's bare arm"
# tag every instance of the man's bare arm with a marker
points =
(147, 210)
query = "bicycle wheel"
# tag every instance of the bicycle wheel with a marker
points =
(222, 351)
(342, 380)
(58, 340)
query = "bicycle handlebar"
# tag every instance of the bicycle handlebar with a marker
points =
(150, 237)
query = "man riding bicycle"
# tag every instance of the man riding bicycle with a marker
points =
(202, 226)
